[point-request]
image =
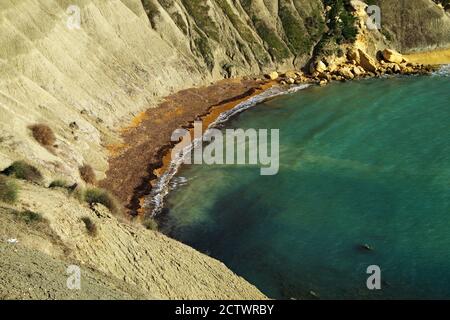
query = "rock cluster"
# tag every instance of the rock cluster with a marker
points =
(289, 77)
(356, 64)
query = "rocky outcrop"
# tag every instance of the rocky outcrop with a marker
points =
(320, 67)
(367, 62)
(345, 72)
(272, 75)
(292, 74)
(353, 55)
(356, 64)
(393, 56)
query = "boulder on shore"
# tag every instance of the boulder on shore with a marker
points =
(393, 56)
(358, 71)
(346, 73)
(272, 76)
(367, 62)
(320, 67)
(353, 55)
(291, 74)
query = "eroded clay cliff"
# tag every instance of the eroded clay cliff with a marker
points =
(88, 82)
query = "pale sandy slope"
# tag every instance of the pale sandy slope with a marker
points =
(86, 84)
(31, 274)
(98, 76)
(89, 82)
(138, 263)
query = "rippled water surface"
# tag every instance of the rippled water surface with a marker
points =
(365, 162)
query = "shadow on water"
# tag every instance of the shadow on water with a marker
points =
(363, 181)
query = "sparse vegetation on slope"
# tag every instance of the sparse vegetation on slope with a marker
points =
(125, 256)
(90, 226)
(87, 174)
(342, 27)
(22, 170)
(151, 10)
(203, 46)
(102, 196)
(276, 47)
(9, 190)
(199, 10)
(150, 224)
(299, 41)
(413, 26)
(245, 32)
(43, 134)
(444, 3)
(31, 217)
(59, 183)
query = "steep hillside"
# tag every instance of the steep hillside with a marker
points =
(82, 82)
(120, 260)
(87, 82)
(30, 274)
(241, 35)
(414, 25)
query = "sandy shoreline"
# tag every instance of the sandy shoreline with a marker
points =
(146, 152)
(213, 113)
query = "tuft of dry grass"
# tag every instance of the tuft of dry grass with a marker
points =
(150, 224)
(31, 217)
(24, 171)
(90, 226)
(97, 195)
(59, 183)
(9, 190)
(87, 174)
(77, 193)
(43, 134)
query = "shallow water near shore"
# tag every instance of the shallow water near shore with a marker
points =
(363, 162)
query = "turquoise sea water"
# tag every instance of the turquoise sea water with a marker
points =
(364, 162)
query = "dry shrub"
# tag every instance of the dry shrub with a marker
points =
(150, 224)
(24, 171)
(43, 134)
(9, 190)
(77, 193)
(97, 195)
(59, 183)
(87, 174)
(90, 226)
(31, 217)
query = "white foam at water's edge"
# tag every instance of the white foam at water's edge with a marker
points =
(443, 71)
(162, 186)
